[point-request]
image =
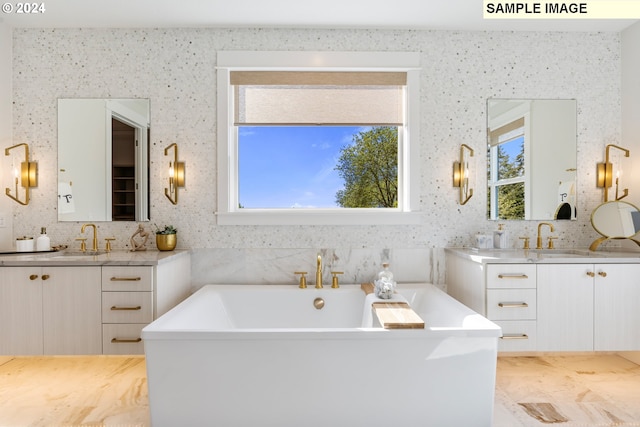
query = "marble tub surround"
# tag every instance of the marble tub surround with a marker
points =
(277, 266)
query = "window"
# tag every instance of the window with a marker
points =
(274, 108)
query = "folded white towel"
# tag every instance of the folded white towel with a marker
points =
(367, 311)
(65, 198)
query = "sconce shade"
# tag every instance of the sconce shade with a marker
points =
(461, 174)
(176, 174)
(457, 174)
(28, 174)
(605, 173)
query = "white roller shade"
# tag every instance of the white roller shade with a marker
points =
(318, 98)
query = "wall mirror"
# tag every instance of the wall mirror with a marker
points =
(615, 220)
(103, 159)
(531, 160)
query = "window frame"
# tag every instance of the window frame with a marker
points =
(228, 212)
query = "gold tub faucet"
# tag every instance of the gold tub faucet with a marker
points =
(319, 272)
(95, 236)
(539, 239)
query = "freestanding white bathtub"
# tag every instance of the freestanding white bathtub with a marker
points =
(254, 356)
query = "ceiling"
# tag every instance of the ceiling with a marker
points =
(465, 15)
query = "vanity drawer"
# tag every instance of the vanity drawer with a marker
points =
(126, 278)
(517, 335)
(122, 338)
(511, 304)
(511, 276)
(127, 307)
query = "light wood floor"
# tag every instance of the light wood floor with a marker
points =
(568, 391)
(67, 391)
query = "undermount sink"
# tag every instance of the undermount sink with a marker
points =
(561, 253)
(72, 256)
(81, 254)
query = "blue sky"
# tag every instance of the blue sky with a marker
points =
(284, 167)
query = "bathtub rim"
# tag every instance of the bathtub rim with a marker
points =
(157, 330)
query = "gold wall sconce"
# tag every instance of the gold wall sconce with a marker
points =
(461, 174)
(27, 178)
(176, 174)
(605, 174)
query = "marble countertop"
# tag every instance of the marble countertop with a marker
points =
(545, 256)
(68, 258)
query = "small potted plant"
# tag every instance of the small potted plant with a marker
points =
(166, 238)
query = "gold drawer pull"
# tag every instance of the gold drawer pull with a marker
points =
(591, 274)
(512, 276)
(126, 279)
(602, 273)
(33, 277)
(126, 308)
(513, 304)
(45, 277)
(515, 337)
(124, 340)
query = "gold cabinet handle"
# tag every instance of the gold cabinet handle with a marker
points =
(602, 273)
(513, 304)
(33, 277)
(514, 337)
(45, 276)
(137, 307)
(512, 276)
(591, 274)
(122, 340)
(126, 279)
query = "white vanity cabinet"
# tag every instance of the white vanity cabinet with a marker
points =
(512, 304)
(586, 307)
(617, 312)
(542, 303)
(504, 293)
(565, 310)
(127, 307)
(20, 310)
(93, 306)
(135, 295)
(50, 310)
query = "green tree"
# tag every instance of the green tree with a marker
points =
(369, 167)
(511, 196)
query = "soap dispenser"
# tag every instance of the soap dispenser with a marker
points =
(501, 238)
(43, 243)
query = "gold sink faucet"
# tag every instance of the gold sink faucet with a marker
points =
(95, 236)
(319, 272)
(539, 239)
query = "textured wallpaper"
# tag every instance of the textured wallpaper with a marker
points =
(175, 69)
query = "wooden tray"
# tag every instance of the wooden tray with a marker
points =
(394, 314)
